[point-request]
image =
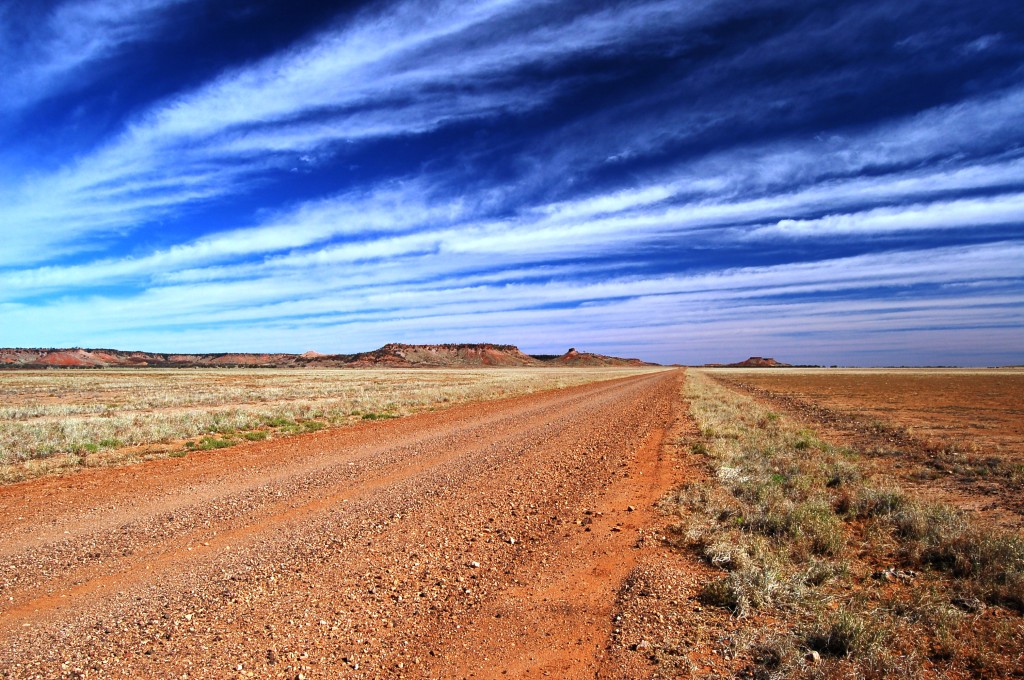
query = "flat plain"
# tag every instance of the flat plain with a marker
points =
(60, 420)
(865, 524)
(983, 407)
(954, 434)
(417, 547)
(608, 523)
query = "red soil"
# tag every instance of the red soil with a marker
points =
(500, 539)
(964, 425)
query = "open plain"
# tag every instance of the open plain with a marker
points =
(850, 546)
(957, 434)
(629, 524)
(59, 421)
(983, 407)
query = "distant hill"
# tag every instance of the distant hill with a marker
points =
(101, 358)
(393, 355)
(754, 362)
(574, 358)
(447, 355)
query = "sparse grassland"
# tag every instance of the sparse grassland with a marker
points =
(968, 423)
(54, 420)
(841, 572)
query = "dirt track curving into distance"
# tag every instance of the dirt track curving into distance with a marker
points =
(486, 540)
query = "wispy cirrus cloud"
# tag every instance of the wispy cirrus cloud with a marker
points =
(50, 48)
(527, 171)
(405, 221)
(370, 80)
(1006, 209)
(785, 299)
(410, 71)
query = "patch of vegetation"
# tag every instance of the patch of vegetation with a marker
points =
(210, 443)
(379, 416)
(846, 633)
(797, 527)
(278, 421)
(969, 463)
(133, 409)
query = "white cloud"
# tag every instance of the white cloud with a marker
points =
(389, 208)
(959, 214)
(402, 221)
(786, 298)
(56, 52)
(417, 68)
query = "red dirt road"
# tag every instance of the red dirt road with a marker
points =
(487, 540)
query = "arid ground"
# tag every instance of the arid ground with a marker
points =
(982, 408)
(52, 421)
(671, 523)
(954, 433)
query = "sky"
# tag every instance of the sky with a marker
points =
(681, 181)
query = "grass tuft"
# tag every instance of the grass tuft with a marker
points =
(210, 443)
(797, 526)
(379, 416)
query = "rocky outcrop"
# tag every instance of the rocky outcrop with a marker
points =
(575, 358)
(445, 355)
(758, 362)
(393, 355)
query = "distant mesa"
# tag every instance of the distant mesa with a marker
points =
(443, 356)
(392, 355)
(754, 362)
(575, 358)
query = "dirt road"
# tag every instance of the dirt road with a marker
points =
(487, 540)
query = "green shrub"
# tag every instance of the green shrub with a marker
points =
(208, 443)
(278, 421)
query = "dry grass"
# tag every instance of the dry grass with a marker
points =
(841, 574)
(52, 420)
(961, 425)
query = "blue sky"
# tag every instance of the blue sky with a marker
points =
(681, 181)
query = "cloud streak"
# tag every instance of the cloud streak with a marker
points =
(47, 52)
(623, 173)
(407, 73)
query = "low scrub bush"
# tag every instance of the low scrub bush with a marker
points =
(752, 587)
(209, 443)
(845, 633)
(379, 416)
(874, 501)
(992, 561)
(777, 513)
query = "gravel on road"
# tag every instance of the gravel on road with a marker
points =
(485, 540)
